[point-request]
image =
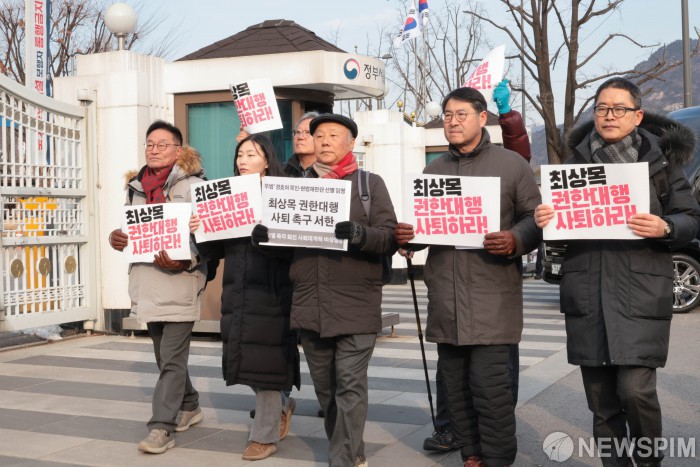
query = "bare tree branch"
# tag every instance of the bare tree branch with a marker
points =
(570, 18)
(77, 27)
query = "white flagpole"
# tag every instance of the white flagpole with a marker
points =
(424, 94)
(417, 82)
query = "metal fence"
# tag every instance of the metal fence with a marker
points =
(44, 253)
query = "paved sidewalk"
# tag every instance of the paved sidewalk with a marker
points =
(85, 400)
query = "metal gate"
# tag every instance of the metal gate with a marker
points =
(47, 269)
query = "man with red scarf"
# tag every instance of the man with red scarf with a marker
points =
(166, 294)
(338, 294)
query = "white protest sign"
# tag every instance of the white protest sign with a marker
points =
(227, 208)
(451, 210)
(302, 212)
(155, 227)
(489, 73)
(256, 105)
(593, 201)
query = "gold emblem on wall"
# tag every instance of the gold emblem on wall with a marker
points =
(70, 264)
(44, 266)
(16, 268)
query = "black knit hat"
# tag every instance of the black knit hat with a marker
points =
(334, 118)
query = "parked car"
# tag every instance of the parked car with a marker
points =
(686, 260)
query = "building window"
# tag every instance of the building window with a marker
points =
(431, 156)
(212, 130)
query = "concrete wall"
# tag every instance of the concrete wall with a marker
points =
(392, 149)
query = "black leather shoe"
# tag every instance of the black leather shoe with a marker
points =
(442, 440)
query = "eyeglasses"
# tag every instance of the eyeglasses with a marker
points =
(618, 112)
(301, 133)
(460, 116)
(160, 146)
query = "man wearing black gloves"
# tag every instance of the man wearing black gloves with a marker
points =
(338, 294)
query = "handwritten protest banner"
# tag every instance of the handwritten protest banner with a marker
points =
(489, 73)
(256, 105)
(303, 211)
(447, 210)
(227, 208)
(155, 227)
(593, 201)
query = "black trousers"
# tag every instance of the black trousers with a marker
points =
(622, 397)
(480, 399)
(442, 409)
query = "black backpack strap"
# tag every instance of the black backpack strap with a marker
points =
(363, 190)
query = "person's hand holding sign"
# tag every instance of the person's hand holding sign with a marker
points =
(194, 223)
(403, 233)
(242, 134)
(350, 231)
(543, 214)
(163, 261)
(649, 226)
(500, 243)
(118, 240)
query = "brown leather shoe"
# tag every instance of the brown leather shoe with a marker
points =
(474, 461)
(286, 422)
(255, 451)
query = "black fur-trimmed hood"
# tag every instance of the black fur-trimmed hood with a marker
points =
(676, 141)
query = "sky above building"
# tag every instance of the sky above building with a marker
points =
(355, 25)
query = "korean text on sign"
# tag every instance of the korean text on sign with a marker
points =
(488, 74)
(227, 208)
(156, 227)
(453, 210)
(481, 78)
(303, 212)
(256, 105)
(594, 201)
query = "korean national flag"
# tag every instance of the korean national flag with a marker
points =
(423, 11)
(411, 27)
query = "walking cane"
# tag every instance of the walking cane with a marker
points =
(420, 338)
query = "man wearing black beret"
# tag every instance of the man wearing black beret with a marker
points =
(338, 294)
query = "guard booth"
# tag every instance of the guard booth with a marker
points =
(45, 256)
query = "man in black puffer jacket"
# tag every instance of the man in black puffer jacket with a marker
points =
(616, 295)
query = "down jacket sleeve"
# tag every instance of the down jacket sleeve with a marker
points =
(514, 133)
